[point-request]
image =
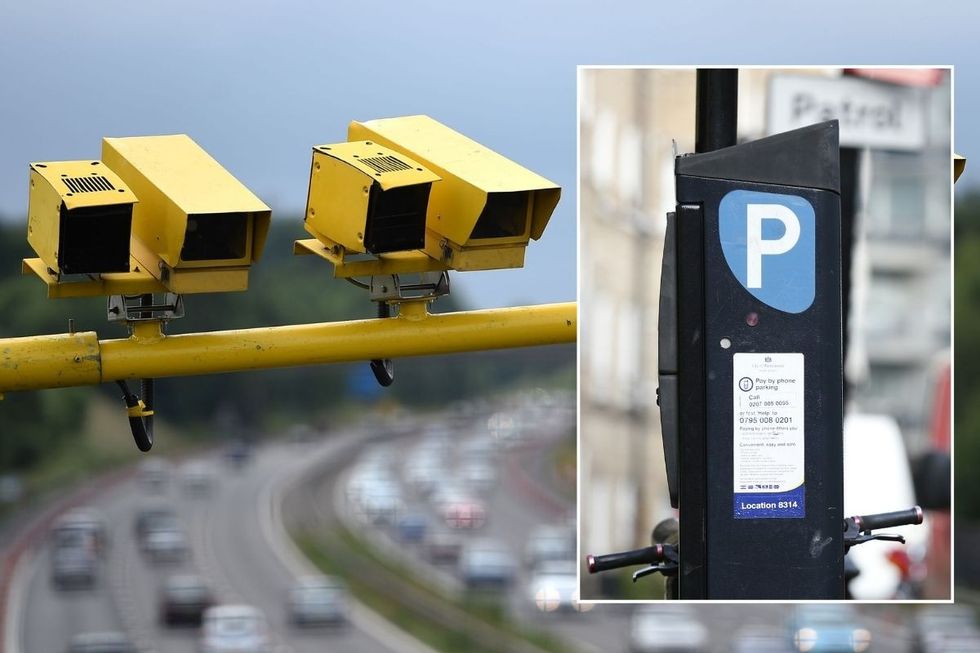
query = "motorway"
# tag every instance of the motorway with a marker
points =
(512, 514)
(228, 549)
(232, 547)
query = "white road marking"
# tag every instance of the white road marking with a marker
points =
(13, 639)
(269, 510)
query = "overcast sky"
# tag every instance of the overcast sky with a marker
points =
(258, 83)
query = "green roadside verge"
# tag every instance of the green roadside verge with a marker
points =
(564, 462)
(101, 444)
(479, 624)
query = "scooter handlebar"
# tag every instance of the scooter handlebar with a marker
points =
(646, 556)
(913, 515)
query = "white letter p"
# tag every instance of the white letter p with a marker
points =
(757, 247)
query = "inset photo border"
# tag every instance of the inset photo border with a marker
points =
(775, 389)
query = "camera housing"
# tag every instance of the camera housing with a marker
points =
(486, 207)
(367, 198)
(196, 228)
(79, 218)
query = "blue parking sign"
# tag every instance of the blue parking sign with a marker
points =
(768, 242)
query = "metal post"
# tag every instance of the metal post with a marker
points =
(717, 109)
(716, 121)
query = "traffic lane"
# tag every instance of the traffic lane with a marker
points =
(606, 627)
(236, 554)
(127, 594)
(135, 583)
(51, 617)
(226, 548)
(513, 517)
(510, 519)
(600, 629)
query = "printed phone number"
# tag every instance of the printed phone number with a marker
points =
(765, 420)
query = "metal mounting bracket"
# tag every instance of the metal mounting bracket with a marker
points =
(130, 308)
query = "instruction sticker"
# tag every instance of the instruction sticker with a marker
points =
(768, 429)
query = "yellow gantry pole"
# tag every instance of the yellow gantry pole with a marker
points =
(64, 360)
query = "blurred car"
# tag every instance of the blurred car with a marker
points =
(318, 600)
(758, 639)
(183, 600)
(74, 566)
(487, 565)
(549, 544)
(80, 539)
(153, 474)
(84, 521)
(457, 506)
(382, 456)
(301, 434)
(234, 629)
(380, 502)
(827, 628)
(886, 570)
(165, 546)
(237, 453)
(554, 587)
(11, 488)
(197, 479)
(412, 527)
(505, 429)
(423, 469)
(669, 627)
(479, 476)
(157, 517)
(443, 548)
(464, 514)
(362, 478)
(108, 642)
(481, 448)
(448, 491)
(945, 628)
(438, 439)
(956, 643)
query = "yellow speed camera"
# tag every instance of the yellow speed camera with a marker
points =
(486, 207)
(196, 228)
(79, 218)
(367, 198)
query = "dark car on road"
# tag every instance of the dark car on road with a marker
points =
(183, 600)
(166, 547)
(487, 565)
(412, 527)
(74, 567)
(154, 518)
(81, 523)
(238, 453)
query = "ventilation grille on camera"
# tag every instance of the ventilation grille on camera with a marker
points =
(91, 184)
(385, 164)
